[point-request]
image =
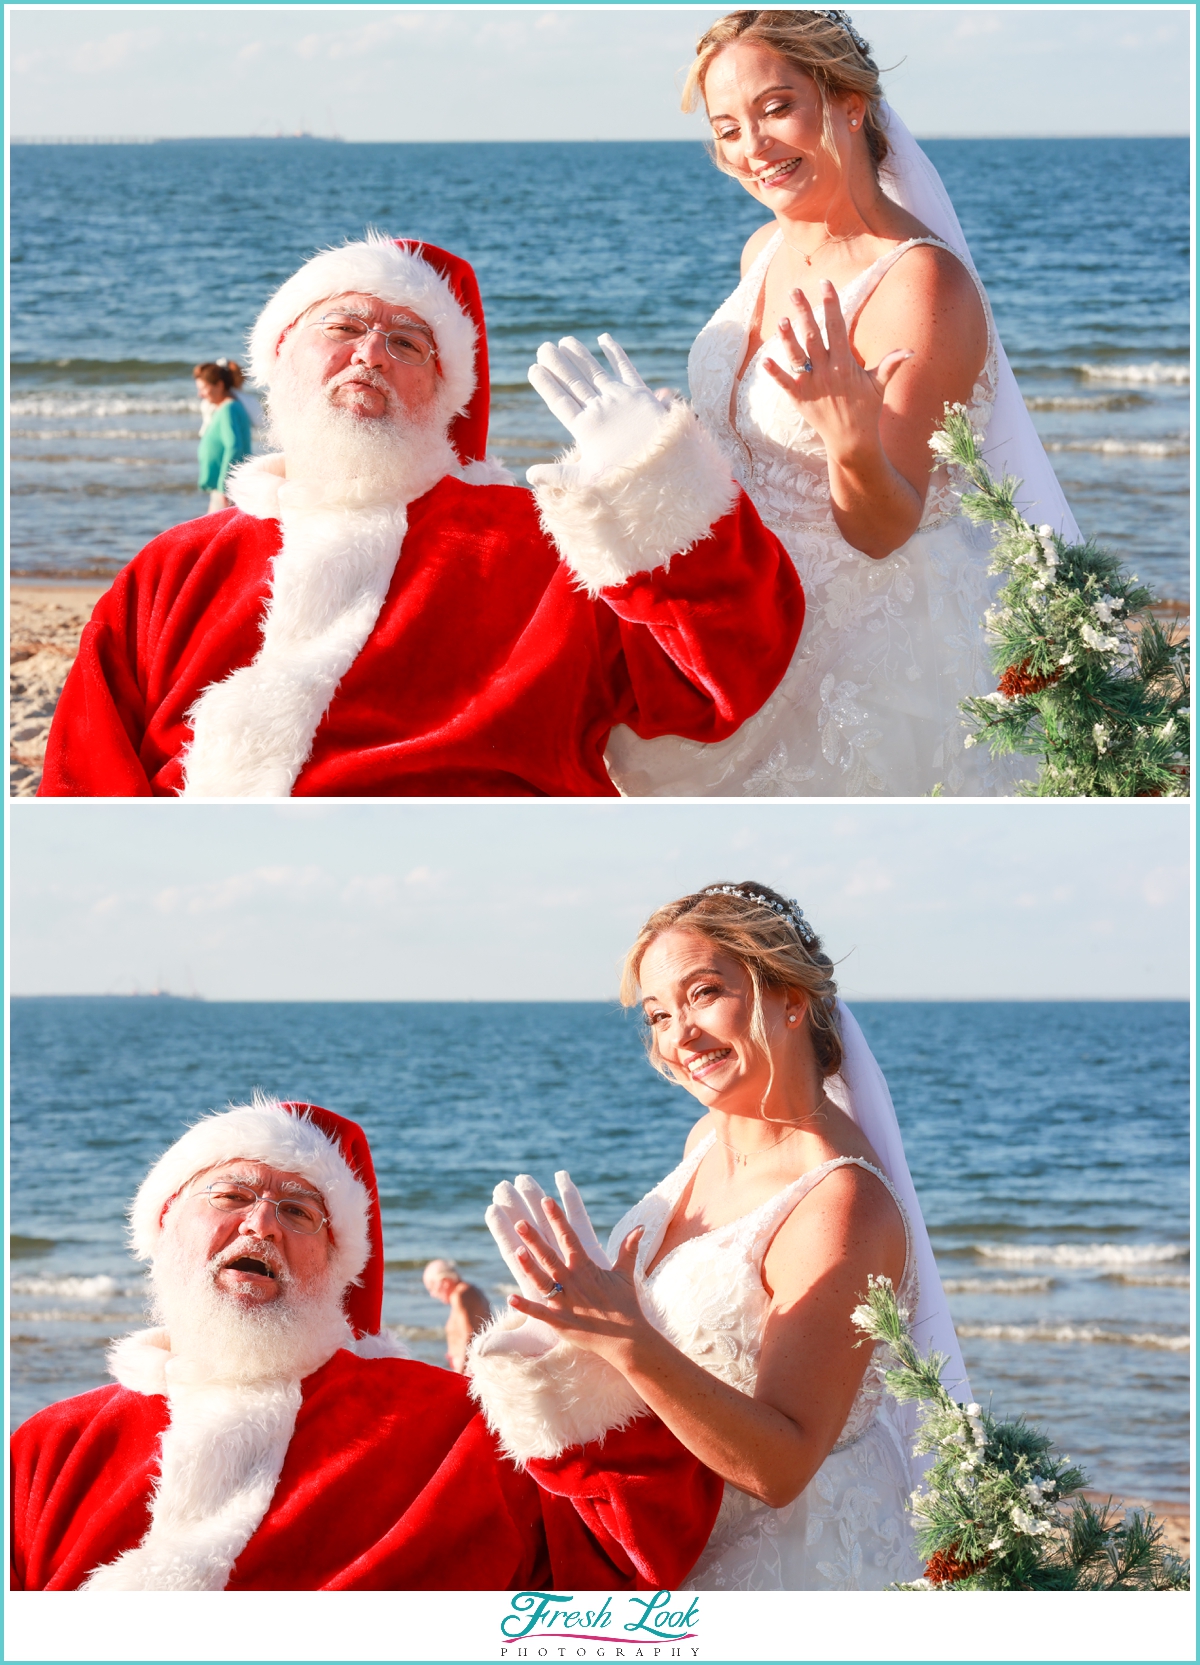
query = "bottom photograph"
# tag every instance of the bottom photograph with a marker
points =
(534, 1197)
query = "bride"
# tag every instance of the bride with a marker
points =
(727, 1309)
(823, 376)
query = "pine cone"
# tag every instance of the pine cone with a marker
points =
(943, 1567)
(1018, 680)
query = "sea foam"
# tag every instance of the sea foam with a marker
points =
(1137, 372)
(74, 1288)
(1081, 1254)
(1074, 1332)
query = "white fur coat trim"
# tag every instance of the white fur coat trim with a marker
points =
(261, 1132)
(541, 1405)
(221, 1459)
(636, 518)
(253, 733)
(222, 1456)
(396, 273)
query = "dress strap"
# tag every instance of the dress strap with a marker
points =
(792, 1195)
(860, 289)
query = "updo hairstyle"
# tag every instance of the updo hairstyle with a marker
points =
(811, 43)
(765, 944)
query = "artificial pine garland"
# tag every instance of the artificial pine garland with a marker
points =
(1088, 679)
(990, 1515)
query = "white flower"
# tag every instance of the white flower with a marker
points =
(996, 1543)
(1167, 730)
(1094, 639)
(1067, 659)
(941, 444)
(997, 699)
(1106, 607)
(1101, 736)
(968, 742)
(1027, 1524)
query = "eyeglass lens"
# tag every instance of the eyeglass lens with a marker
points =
(293, 1213)
(409, 346)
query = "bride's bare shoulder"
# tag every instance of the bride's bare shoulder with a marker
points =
(702, 1128)
(757, 243)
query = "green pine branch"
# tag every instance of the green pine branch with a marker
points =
(990, 1515)
(1089, 681)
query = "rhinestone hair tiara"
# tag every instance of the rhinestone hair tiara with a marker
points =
(842, 19)
(790, 910)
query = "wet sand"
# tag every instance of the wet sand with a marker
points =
(45, 621)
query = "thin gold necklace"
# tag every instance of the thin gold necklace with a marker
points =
(740, 1158)
(808, 258)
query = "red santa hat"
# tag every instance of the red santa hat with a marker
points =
(329, 1151)
(439, 287)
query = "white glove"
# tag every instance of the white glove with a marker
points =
(522, 1200)
(611, 421)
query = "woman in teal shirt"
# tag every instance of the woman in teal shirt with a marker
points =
(225, 436)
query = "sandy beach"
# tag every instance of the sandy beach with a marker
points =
(45, 621)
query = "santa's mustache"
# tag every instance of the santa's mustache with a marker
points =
(251, 1254)
(360, 375)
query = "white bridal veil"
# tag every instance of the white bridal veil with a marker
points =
(862, 1092)
(1013, 446)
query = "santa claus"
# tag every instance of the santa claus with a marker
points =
(266, 1437)
(383, 613)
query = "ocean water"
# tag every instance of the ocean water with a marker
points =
(1048, 1142)
(130, 263)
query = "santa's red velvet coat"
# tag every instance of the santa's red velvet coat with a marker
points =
(391, 1481)
(489, 669)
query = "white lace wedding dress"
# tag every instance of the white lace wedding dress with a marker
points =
(889, 647)
(848, 1530)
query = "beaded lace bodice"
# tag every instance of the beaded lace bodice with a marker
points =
(709, 1289)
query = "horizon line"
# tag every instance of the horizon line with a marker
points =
(611, 1000)
(328, 138)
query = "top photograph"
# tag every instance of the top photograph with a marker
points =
(665, 403)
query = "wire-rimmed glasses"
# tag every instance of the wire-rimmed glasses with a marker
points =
(406, 343)
(294, 1213)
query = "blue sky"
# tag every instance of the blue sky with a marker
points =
(528, 900)
(577, 72)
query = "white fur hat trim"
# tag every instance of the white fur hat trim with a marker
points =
(260, 1132)
(376, 266)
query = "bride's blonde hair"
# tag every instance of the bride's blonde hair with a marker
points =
(769, 947)
(818, 47)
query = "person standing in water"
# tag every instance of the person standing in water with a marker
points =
(225, 435)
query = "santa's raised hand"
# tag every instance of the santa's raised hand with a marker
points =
(612, 415)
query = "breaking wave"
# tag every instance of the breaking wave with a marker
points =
(74, 1289)
(47, 405)
(996, 1286)
(1155, 372)
(1124, 447)
(1152, 1280)
(1074, 1332)
(1081, 1254)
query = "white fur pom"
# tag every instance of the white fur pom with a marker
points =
(636, 518)
(485, 471)
(384, 1344)
(541, 1404)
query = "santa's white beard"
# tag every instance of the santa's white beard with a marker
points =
(342, 458)
(216, 1337)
